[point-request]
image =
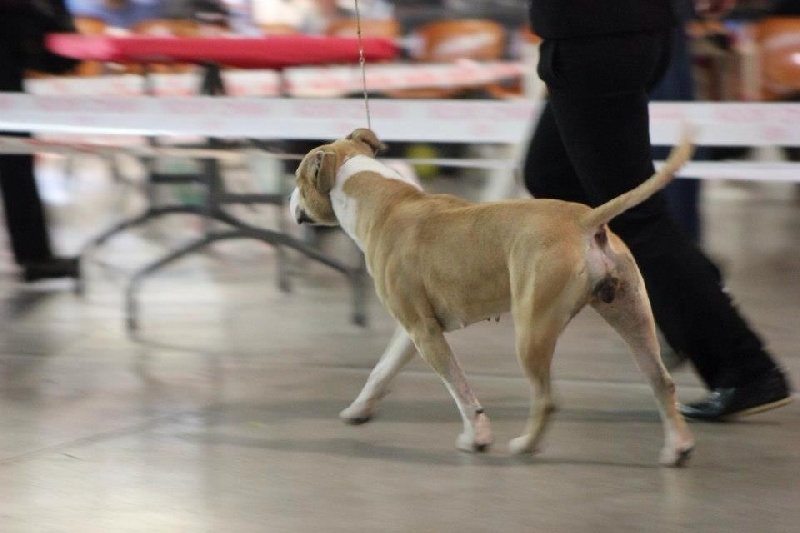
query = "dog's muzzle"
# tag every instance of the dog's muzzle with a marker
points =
(297, 211)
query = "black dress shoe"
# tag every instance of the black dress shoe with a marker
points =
(767, 392)
(53, 268)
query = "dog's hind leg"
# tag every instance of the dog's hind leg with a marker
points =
(536, 341)
(544, 298)
(397, 354)
(630, 315)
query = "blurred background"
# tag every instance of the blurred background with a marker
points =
(200, 392)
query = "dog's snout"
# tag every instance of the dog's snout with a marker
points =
(295, 209)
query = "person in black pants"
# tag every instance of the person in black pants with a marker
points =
(599, 59)
(22, 205)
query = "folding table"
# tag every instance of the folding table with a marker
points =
(212, 54)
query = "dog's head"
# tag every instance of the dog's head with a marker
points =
(315, 177)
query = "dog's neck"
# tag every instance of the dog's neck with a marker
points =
(364, 163)
(344, 206)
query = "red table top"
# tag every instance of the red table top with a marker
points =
(269, 51)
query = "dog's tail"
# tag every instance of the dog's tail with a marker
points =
(677, 158)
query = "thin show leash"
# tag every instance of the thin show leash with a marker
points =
(362, 63)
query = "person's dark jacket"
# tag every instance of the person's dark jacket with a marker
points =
(563, 19)
(23, 28)
(203, 10)
(786, 7)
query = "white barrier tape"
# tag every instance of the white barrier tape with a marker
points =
(466, 121)
(739, 170)
(727, 123)
(453, 121)
(16, 145)
(742, 171)
(341, 80)
(237, 83)
(332, 81)
(122, 85)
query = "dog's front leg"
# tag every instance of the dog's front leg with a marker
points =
(397, 354)
(477, 434)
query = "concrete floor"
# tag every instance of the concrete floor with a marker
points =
(221, 414)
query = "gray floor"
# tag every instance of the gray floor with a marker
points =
(221, 414)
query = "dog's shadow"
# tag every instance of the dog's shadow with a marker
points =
(223, 427)
(352, 448)
(395, 411)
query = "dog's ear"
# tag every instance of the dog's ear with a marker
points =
(324, 171)
(369, 138)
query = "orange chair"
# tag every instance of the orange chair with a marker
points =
(85, 26)
(90, 26)
(447, 41)
(451, 40)
(176, 27)
(165, 27)
(779, 63)
(348, 27)
(527, 42)
(779, 57)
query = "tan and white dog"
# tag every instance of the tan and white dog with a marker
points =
(440, 263)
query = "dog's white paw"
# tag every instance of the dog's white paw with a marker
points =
(521, 445)
(676, 456)
(356, 414)
(466, 442)
(478, 439)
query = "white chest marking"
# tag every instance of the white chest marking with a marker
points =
(345, 206)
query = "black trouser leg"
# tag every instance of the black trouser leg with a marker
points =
(604, 129)
(693, 311)
(24, 212)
